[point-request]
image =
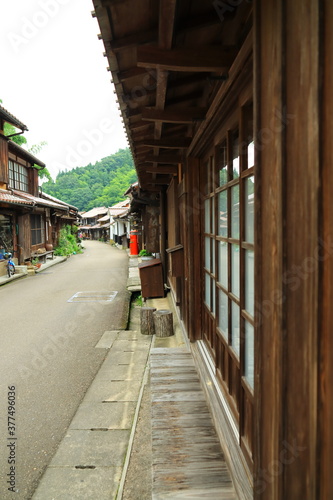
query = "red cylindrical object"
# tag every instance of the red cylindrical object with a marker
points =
(134, 247)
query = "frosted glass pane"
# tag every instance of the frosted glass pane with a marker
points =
(249, 209)
(235, 212)
(235, 269)
(207, 290)
(213, 301)
(223, 263)
(249, 354)
(249, 281)
(223, 313)
(207, 216)
(213, 256)
(223, 213)
(235, 336)
(207, 253)
(250, 155)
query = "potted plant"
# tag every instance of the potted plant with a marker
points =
(35, 262)
(145, 255)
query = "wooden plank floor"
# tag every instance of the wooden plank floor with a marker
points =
(188, 462)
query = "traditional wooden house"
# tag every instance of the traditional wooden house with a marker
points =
(119, 224)
(90, 225)
(28, 220)
(228, 109)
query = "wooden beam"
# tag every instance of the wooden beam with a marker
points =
(167, 15)
(167, 143)
(162, 179)
(139, 125)
(188, 97)
(180, 115)
(133, 40)
(162, 169)
(170, 158)
(131, 73)
(110, 3)
(196, 59)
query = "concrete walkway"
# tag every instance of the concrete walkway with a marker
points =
(22, 272)
(91, 462)
(102, 457)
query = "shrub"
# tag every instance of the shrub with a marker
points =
(67, 244)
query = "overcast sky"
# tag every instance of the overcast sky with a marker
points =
(54, 79)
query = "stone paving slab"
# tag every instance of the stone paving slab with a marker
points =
(92, 448)
(114, 415)
(126, 357)
(116, 390)
(107, 339)
(121, 372)
(61, 483)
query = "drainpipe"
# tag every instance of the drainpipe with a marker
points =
(14, 135)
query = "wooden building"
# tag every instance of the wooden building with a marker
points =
(228, 109)
(28, 219)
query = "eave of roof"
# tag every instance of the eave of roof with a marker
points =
(9, 118)
(40, 201)
(94, 212)
(13, 199)
(168, 61)
(53, 198)
(25, 154)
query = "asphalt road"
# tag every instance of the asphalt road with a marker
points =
(48, 354)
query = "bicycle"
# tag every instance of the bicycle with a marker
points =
(9, 265)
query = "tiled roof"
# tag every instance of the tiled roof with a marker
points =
(7, 197)
(104, 219)
(40, 201)
(123, 203)
(94, 212)
(8, 117)
(117, 211)
(52, 198)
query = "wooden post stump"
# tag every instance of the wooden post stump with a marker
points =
(147, 320)
(163, 321)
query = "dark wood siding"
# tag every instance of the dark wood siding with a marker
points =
(24, 237)
(287, 101)
(3, 161)
(326, 310)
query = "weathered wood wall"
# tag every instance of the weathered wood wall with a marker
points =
(24, 239)
(293, 104)
(326, 276)
(3, 161)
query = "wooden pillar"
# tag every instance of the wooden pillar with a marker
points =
(288, 118)
(326, 295)
(193, 224)
(163, 226)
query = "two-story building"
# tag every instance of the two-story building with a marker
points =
(29, 220)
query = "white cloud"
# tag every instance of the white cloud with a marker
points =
(54, 79)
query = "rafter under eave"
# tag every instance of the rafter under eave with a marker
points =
(180, 115)
(167, 143)
(162, 169)
(167, 158)
(206, 59)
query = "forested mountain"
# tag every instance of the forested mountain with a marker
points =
(102, 184)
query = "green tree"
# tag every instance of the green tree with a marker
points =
(101, 184)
